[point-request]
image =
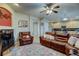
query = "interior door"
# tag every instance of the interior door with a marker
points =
(36, 32)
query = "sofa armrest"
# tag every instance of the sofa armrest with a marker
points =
(68, 47)
(31, 37)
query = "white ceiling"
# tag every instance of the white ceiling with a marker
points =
(66, 10)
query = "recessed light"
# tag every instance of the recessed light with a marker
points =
(65, 19)
(16, 4)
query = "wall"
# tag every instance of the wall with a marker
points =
(16, 18)
(45, 26)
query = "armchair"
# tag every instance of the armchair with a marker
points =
(25, 38)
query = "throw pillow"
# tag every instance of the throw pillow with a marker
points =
(72, 40)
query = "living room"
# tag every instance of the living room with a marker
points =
(39, 28)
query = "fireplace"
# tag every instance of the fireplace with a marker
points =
(7, 39)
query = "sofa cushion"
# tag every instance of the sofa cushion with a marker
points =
(58, 42)
(77, 44)
(47, 36)
(50, 33)
(72, 40)
(27, 36)
(52, 37)
(61, 40)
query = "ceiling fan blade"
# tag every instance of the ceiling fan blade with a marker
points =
(49, 4)
(54, 11)
(47, 14)
(57, 7)
(43, 11)
(45, 6)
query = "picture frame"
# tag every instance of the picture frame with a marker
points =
(5, 17)
(22, 23)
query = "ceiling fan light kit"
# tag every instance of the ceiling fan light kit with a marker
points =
(49, 11)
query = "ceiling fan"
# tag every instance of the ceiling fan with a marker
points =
(50, 7)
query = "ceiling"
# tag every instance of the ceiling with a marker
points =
(66, 10)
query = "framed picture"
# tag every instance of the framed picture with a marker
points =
(5, 17)
(23, 23)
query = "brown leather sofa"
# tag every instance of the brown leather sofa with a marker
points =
(59, 44)
(25, 38)
(45, 42)
(54, 44)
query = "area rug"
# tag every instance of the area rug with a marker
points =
(35, 50)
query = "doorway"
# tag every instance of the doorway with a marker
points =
(36, 32)
(41, 29)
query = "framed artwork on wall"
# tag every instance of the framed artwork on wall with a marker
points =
(5, 17)
(22, 23)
